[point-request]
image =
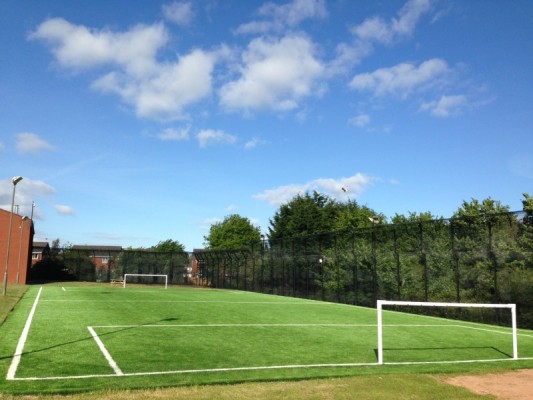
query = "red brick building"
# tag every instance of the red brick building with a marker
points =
(20, 248)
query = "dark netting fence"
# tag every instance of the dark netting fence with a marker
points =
(484, 259)
(104, 265)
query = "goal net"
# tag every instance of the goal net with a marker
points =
(147, 279)
(399, 305)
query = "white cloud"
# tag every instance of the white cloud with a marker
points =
(175, 135)
(79, 47)
(445, 106)
(402, 79)
(375, 29)
(275, 74)
(164, 94)
(209, 137)
(353, 187)
(156, 90)
(280, 17)
(180, 13)
(27, 191)
(30, 143)
(64, 210)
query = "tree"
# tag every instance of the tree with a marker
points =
(352, 215)
(234, 232)
(527, 204)
(51, 268)
(304, 215)
(484, 236)
(169, 246)
(475, 208)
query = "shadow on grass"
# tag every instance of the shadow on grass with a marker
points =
(414, 349)
(119, 330)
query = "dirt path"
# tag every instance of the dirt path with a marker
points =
(514, 385)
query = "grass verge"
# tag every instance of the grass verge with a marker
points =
(7, 303)
(386, 387)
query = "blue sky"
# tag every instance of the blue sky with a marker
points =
(139, 121)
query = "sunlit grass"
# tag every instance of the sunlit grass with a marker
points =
(190, 337)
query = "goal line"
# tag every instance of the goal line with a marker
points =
(146, 275)
(381, 303)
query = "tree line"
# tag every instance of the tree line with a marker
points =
(344, 252)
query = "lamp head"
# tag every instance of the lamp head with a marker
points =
(16, 180)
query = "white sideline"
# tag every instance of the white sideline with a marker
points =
(269, 367)
(22, 341)
(104, 351)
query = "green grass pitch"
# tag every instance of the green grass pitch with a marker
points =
(74, 338)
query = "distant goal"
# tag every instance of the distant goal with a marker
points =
(146, 278)
(384, 303)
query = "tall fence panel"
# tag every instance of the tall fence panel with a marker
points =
(483, 259)
(102, 265)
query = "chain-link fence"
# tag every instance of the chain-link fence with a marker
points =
(484, 259)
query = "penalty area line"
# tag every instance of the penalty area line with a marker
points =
(104, 351)
(22, 341)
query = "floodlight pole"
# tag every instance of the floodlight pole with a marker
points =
(15, 180)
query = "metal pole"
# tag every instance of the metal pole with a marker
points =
(15, 180)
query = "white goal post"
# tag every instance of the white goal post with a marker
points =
(381, 303)
(145, 275)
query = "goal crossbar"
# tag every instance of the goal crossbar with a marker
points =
(146, 275)
(381, 303)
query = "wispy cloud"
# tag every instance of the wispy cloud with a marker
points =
(175, 135)
(253, 143)
(343, 188)
(280, 17)
(360, 120)
(208, 137)
(445, 106)
(375, 29)
(403, 79)
(30, 143)
(64, 210)
(179, 13)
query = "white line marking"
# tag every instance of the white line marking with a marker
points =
(235, 325)
(273, 303)
(106, 354)
(192, 371)
(22, 341)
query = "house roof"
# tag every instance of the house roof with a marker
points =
(97, 248)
